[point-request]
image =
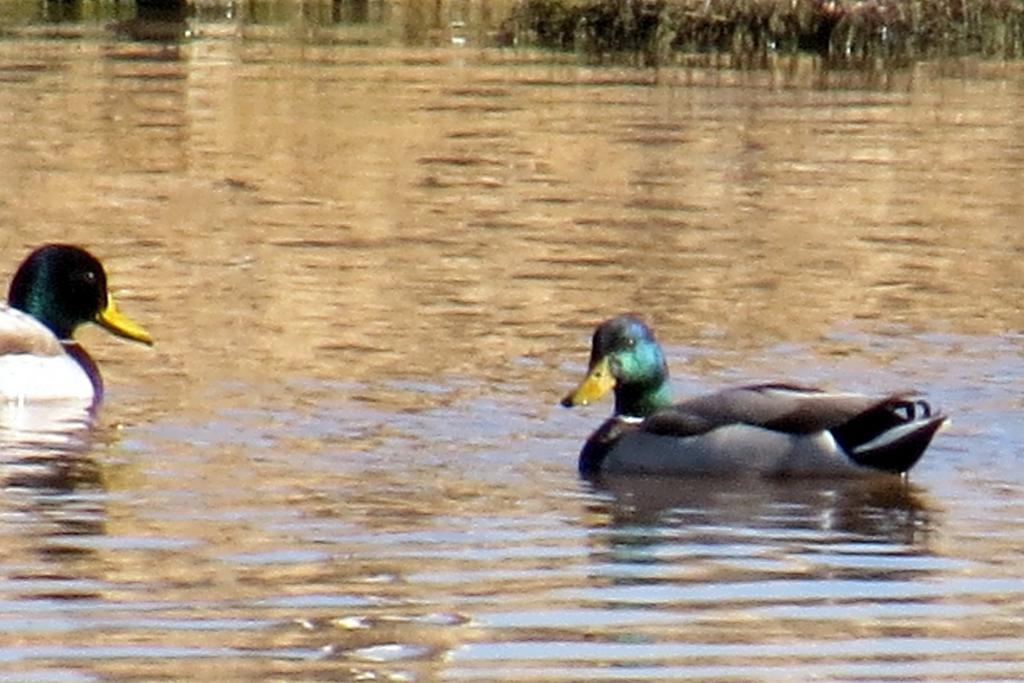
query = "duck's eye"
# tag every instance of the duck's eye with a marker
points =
(89, 277)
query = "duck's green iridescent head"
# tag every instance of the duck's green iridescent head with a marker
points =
(62, 287)
(625, 358)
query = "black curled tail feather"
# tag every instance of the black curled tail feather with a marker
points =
(869, 424)
(899, 455)
(890, 436)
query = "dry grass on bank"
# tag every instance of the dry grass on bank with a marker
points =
(652, 31)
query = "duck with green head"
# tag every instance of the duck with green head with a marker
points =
(56, 289)
(760, 429)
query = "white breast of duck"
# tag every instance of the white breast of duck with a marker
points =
(34, 364)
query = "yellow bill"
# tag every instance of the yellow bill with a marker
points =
(598, 382)
(117, 322)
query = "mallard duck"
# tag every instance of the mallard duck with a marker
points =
(56, 288)
(760, 429)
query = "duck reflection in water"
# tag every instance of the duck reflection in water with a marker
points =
(882, 509)
(784, 543)
(158, 21)
(54, 500)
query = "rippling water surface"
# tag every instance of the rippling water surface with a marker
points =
(372, 271)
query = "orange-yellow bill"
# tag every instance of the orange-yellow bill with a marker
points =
(598, 382)
(117, 322)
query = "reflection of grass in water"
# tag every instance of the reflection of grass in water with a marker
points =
(844, 30)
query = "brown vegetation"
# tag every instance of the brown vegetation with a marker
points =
(843, 30)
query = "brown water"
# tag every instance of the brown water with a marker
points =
(372, 271)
